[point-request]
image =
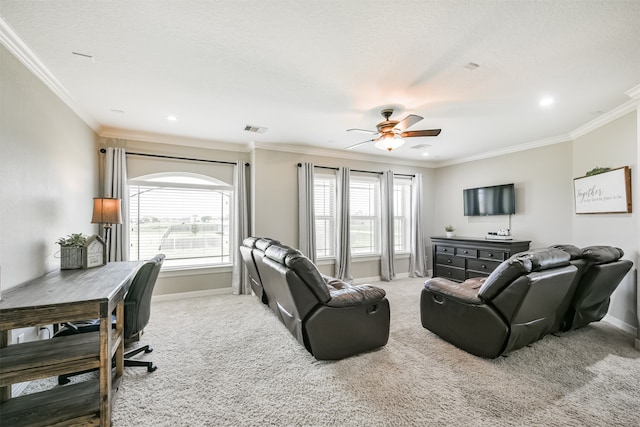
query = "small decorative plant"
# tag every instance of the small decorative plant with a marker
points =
(449, 228)
(73, 240)
(597, 170)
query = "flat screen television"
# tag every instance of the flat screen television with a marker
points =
(494, 200)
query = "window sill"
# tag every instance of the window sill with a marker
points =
(178, 271)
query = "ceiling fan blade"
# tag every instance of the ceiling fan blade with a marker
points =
(414, 133)
(360, 143)
(372, 132)
(407, 122)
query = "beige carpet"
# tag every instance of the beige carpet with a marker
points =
(227, 361)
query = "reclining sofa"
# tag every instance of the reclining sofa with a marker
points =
(531, 294)
(330, 317)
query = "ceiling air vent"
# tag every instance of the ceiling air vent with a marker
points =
(255, 129)
(419, 146)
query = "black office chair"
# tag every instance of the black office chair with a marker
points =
(137, 310)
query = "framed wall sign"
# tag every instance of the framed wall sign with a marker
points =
(608, 192)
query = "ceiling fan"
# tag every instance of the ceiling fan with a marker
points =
(391, 133)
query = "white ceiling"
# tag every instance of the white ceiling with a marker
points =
(309, 70)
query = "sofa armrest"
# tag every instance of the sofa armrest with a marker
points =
(355, 295)
(466, 291)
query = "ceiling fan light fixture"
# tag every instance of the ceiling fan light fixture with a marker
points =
(389, 143)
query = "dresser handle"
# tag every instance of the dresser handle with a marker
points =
(444, 250)
(449, 261)
(490, 254)
(484, 267)
(465, 252)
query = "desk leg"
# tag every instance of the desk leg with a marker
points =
(105, 368)
(120, 332)
(5, 392)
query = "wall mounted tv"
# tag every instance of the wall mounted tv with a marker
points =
(494, 200)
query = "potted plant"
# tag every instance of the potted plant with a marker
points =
(71, 251)
(450, 230)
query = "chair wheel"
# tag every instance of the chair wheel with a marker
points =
(151, 368)
(148, 350)
(63, 380)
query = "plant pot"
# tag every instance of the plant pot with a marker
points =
(71, 257)
(450, 233)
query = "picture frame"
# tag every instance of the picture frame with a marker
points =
(605, 193)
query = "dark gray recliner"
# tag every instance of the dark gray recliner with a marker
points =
(513, 307)
(600, 271)
(331, 318)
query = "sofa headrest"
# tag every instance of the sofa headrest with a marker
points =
(250, 242)
(301, 266)
(602, 254)
(520, 264)
(574, 251)
(265, 242)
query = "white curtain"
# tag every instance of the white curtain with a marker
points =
(115, 185)
(240, 231)
(417, 259)
(387, 270)
(343, 248)
(306, 212)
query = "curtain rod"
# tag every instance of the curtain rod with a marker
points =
(102, 150)
(361, 171)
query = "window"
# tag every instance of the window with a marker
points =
(324, 193)
(402, 213)
(185, 216)
(364, 205)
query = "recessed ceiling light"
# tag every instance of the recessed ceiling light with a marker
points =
(172, 118)
(471, 66)
(425, 154)
(547, 101)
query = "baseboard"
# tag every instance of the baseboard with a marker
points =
(637, 343)
(192, 294)
(622, 325)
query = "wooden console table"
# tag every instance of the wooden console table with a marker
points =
(57, 297)
(459, 258)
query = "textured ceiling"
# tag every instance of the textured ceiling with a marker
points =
(309, 70)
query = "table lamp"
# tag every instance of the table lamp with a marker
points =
(106, 211)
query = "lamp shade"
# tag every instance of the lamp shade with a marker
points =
(388, 143)
(106, 211)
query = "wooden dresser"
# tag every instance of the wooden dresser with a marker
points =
(459, 258)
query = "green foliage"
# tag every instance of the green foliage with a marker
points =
(597, 170)
(449, 228)
(195, 228)
(75, 239)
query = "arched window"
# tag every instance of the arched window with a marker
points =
(185, 216)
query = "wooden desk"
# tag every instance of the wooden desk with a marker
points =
(57, 297)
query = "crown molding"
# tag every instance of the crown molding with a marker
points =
(605, 118)
(340, 154)
(508, 150)
(14, 44)
(634, 92)
(173, 140)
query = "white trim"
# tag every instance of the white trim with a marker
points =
(508, 150)
(14, 44)
(605, 118)
(192, 294)
(340, 154)
(634, 92)
(195, 271)
(620, 324)
(173, 139)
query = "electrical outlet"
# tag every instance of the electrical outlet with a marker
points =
(20, 338)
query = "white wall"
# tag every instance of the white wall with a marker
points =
(613, 145)
(48, 174)
(544, 195)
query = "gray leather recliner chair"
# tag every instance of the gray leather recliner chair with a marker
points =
(513, 307)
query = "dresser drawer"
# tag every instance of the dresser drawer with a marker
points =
(467, 253)
(457, 274)
(489, 254)
(450, 260)
(445, 250)
(482, 266)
